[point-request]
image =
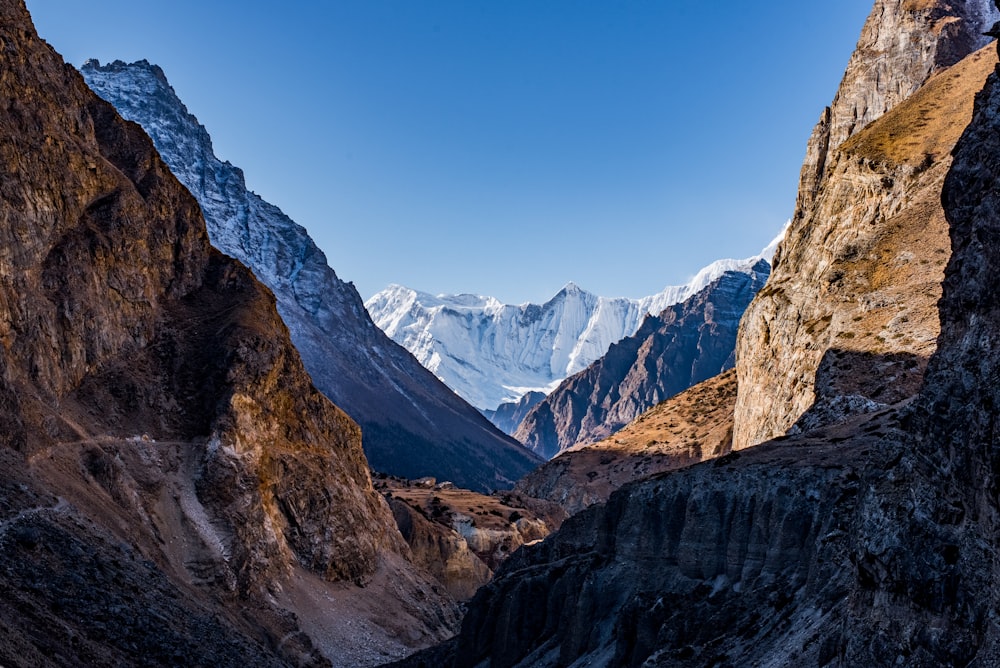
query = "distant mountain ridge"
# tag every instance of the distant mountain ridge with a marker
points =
(685, 344)
(412, 424)
(493, 353)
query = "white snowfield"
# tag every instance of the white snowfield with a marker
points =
(490, 352)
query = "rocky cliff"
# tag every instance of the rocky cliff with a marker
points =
(412, 425)
(684, 345)
(869, 541)
(174, 489)
(859, 273)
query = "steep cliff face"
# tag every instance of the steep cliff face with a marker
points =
(848, 318)
(169, 470)
(412, 425)
(684, 345)
(695, 425)
(902, 43)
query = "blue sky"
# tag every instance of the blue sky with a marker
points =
(501, 148)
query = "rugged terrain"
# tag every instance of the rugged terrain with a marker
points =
(461, 537)
(695, 425)
(684, 345)
(174, 489)
(848, 318)
(493, 353)
(412, 424)
(866, 537)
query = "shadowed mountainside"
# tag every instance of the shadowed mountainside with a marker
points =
(174, 489)
(412, 424)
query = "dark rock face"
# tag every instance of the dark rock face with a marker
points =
(412, 424)
(169, 470)
(686, 344)
(508, 416)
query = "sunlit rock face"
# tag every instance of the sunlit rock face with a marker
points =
(412, 424)
(849, 317)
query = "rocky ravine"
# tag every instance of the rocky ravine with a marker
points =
(412, 424)
(174, 489)
(870, 542)
(849, 317)
(686, 344)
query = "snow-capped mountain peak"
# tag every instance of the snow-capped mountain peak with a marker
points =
(492, 353)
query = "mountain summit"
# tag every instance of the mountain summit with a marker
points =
(493, 353)
(412, 424)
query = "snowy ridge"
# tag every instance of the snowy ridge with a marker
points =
(492, 353)
(412, 424)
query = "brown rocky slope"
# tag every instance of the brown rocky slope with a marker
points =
(174, 487)
(858, 275)
(695, 425)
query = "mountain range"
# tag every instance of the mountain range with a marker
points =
(492, 353)
(412, 425)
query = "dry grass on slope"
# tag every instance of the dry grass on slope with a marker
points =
(692, 426)
(926, 126)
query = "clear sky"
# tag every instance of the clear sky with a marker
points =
(500, 147)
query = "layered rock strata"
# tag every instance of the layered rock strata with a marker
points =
(858, 276)
(412, 425)
(169, 472)
(686, 344)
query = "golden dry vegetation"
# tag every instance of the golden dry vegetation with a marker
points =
(926, 126)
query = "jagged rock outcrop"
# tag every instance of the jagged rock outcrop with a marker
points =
(693, 426)
(507, 417)
(686, 344)
(173, 486)
(859, 273)
(412, 425)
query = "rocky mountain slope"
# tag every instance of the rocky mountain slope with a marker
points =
(493, 353)
(695, 425)
(173, 488)
(684, 345)
(412, 425)
(461, 537)
(867, 541)
(508, 416)
(860, 271)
